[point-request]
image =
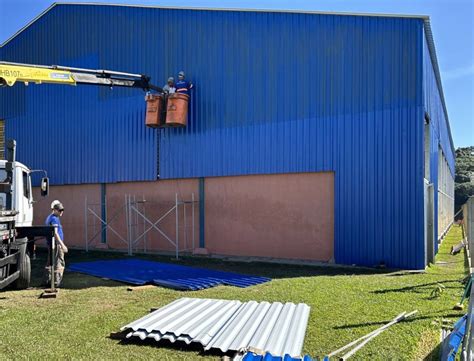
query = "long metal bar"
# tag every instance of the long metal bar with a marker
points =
(135, 226)
(185, 227)
(376, 333)
(153, 225)
(367, 335)
(192, 198)
(106, 226)
(177, 226)
(145, 248)
(86, 237)
(161, 218)
(130, 224)
(94, 224)
(127, 222)
(52, 262)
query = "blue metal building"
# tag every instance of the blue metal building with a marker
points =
(276, 92)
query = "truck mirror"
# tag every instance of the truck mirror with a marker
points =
(44, 186)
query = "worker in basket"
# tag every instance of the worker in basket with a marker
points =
(182, 85)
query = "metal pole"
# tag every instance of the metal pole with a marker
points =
(144, 226)
(135, 225)
(177, 226)
(192, 198)
(52, 262)
(185, 227)
(95, 221)
(86, 236)
(127, 221)
(130, 217)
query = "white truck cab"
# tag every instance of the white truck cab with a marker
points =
(22, 193)
(17, 234)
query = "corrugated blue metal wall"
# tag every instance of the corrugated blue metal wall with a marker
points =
(275, 93)
(79, 134)
(439, 132)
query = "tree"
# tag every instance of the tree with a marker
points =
(464, 187)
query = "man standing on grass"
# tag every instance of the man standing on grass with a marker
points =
(60, 249)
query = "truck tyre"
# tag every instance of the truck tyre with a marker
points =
(24, 265)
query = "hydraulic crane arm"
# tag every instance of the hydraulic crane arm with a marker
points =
(10, 73)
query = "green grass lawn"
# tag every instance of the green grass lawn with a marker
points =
(345, 304)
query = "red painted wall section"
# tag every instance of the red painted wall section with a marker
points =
(72, 198)
(282, 216)
(286, 216)
(159, 197)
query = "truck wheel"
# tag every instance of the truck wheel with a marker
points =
(25, 272)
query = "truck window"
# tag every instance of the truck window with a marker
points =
(26, 185)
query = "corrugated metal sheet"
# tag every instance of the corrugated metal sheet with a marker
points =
(227, 325)
(440, 134)
(140, 272)
(251, 356)
(275, 93)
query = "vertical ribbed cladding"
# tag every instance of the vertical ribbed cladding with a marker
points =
(275, 93)
(439, 127)
(101, 135)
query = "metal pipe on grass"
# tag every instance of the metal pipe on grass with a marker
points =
(374, 334)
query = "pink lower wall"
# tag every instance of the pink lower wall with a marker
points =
(72, 198)
(159, 197)
(280, 216)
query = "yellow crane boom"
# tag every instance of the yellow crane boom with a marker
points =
(10, 73)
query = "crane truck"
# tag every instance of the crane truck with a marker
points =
(16, 196)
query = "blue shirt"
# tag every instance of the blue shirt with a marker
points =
(183, 86)
(53, 220)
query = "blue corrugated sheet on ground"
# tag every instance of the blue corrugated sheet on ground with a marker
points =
(250, 356)
(453, 341)
(140, 272)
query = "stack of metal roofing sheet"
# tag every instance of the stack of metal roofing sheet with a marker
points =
(139, 272)
(227, 325)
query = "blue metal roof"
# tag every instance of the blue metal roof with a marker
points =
(275, 92)
(140, 272)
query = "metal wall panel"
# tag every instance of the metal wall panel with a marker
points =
(73, 132)
(275, 93)
(440, 138)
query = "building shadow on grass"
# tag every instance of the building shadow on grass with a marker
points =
(421, 288)
(71, 280)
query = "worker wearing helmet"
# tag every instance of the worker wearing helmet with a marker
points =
(169, 88)
(57, 210)
(183, 86)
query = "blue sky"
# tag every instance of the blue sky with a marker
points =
(451, 20)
